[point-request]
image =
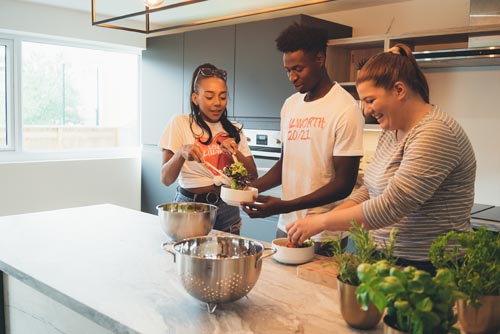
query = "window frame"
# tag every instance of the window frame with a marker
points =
(15, 150)
(9, 93)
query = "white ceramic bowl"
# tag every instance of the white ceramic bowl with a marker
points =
(235, 196)
(288, 255)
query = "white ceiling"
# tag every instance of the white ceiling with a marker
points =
(202, 11)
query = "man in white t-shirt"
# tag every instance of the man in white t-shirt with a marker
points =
(322, 136)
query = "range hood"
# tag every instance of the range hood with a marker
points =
(480, 56)
(478, 50)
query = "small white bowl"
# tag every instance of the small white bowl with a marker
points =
(288, 255)
(236, 196)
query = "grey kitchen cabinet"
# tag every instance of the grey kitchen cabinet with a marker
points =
(153, 192)
(261, 83)
(215, 46)
(162, 68)
(162, 84)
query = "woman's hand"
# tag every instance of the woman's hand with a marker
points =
(302, 229)
(229, 145)
(192, 153)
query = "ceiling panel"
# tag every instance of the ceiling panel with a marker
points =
(204, 12)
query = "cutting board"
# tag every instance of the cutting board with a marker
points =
(316, 271)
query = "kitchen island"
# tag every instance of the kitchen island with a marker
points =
(100, 269)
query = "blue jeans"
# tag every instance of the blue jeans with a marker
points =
(228, 217)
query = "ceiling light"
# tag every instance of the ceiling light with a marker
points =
(152, 3)
(157, 8)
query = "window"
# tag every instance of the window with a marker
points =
(75, 98)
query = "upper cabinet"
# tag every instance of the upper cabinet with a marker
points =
(257, 82)
(215, 46)
(261, 83)
(162, 89)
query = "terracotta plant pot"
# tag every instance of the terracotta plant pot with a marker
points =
(388, 329)
(484, 320)
(351, 311)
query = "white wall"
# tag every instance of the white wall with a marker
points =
(468, 94)
(18, 16)
(39, 186)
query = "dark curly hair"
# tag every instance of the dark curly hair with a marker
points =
(301, 37)
(232, 130)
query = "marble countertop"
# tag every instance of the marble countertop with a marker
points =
(105, 262)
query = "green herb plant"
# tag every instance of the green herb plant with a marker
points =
(416, 302)
(238, 175)
(361, 63)
(473, 258)
(366, 252)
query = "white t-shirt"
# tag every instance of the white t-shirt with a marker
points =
(194, 174)
(312, 133)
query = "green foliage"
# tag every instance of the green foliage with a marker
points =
(238, 175)
(473, 258)
(361, 63)
(43, 91)
(366, 252)
(417, 302)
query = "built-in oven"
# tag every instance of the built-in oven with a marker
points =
(266, 149)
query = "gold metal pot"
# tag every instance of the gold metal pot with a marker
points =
(484, 320)
(352, 312)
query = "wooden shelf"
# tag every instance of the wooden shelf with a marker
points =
(345, 53)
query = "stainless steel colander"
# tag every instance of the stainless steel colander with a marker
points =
(218, 269)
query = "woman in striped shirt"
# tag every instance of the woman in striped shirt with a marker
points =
(421, 178)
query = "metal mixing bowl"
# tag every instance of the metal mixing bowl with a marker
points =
(186, 219)
(218, 269)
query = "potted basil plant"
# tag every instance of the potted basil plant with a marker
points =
(474, 259)
(347, 280)
(415, 302)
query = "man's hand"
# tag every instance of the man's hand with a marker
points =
(264, 206)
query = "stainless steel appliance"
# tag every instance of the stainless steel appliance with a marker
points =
(266, 149)
(487, 216)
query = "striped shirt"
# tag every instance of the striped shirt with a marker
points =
(423, 185)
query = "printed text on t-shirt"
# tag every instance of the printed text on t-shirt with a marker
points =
(298, 128)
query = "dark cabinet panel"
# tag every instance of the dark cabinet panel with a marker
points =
(261, 83)
(162, 70)
(153, 192)
(215, 46)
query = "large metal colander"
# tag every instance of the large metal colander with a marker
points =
(218, 269)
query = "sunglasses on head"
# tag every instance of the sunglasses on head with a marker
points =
(208, 72)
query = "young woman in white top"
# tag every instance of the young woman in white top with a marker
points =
(421, 178)
(205, 135)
